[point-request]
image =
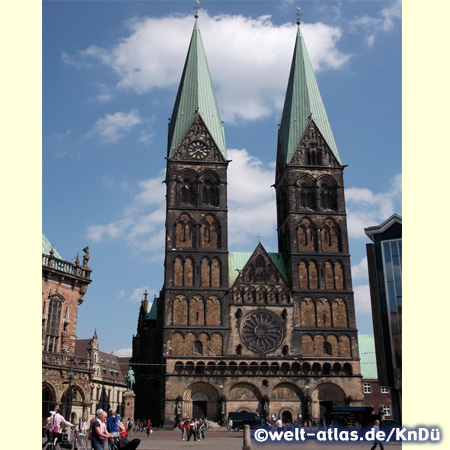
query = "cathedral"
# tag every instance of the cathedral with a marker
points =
(271, 333)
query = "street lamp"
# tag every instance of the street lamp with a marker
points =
(70, 376)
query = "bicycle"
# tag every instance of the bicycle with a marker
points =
(60, 441)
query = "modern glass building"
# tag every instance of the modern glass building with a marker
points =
(384, 259)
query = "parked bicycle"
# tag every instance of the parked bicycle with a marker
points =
(60, 441)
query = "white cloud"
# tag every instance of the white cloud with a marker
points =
(366, 208)
(124, 352)
(138, 294)
(362, 299)
(112, 230)
(114, 127)
(246, 57)
(251, 199)
(360, 270)
(383, 23)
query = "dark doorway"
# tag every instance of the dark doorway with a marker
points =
(199, 409)
(286, 417)
(326, 407)
(47, 402)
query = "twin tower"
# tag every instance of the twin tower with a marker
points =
(272, 333)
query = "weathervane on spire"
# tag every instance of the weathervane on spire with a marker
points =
(299, 15)
(197, 7)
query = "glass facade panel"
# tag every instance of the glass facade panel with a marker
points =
(391, 251)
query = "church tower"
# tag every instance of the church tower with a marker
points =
(267, 333)
(312, 229)
(196, 262)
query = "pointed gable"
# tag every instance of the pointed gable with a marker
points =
(258, 267)
(303, 104)
(195, 96)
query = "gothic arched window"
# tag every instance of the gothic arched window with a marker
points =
(184, 230)
(210, 190)
(328, 194)
(187, 193)
(53, 324)
(209, 233)
(306, 236)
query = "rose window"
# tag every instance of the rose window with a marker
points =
(261, 331)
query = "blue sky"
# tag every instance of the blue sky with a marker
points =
(110, 75)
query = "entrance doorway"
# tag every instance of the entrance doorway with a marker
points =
(326, 407)
(47, 402)
(286, 417)
(199, 409)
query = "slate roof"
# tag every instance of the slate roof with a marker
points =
(303, 103)
(195, 95)
(368, 361)
(378, 229)
(113, 367)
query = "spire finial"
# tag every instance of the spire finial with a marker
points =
(259, 237)
(299, 15)
(145, 295)
(197, 7)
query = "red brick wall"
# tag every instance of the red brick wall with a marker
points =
(71, 296)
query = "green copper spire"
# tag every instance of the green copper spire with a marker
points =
(195, 96)
(302, 104)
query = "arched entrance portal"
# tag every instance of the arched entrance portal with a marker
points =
(48, 401)
(200, 400)
(324, 398)
(199, 405)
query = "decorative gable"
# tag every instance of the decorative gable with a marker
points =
(198, 132)
(313, 150)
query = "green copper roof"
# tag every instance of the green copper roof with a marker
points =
(152, 310)
(368, 361)
(238, 260)
(195, 95)
(47, 246)
(302, 104)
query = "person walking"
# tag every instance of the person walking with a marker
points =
(149, 427)
(112, 427)
(183, 429)
(192, 430)
(230, 425)
(279, 425)
(55, 423)
(376, 442)
(129, 426)
(99, 432)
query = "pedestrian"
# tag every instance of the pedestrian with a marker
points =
(99, 432)
(204, 425)
(200, 429)
(192, 430)
(55, 423)
(149, 427)
(376, 442)
(129, 426)
(230, 425)
(183, 429)
(47, 433)
(279, 425)
(112, 427)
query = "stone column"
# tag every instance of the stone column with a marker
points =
(128, 405)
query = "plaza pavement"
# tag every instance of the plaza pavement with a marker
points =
(220, 439)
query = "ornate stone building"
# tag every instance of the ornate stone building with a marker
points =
(272, 333)
(76, 376)
(64, 285)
